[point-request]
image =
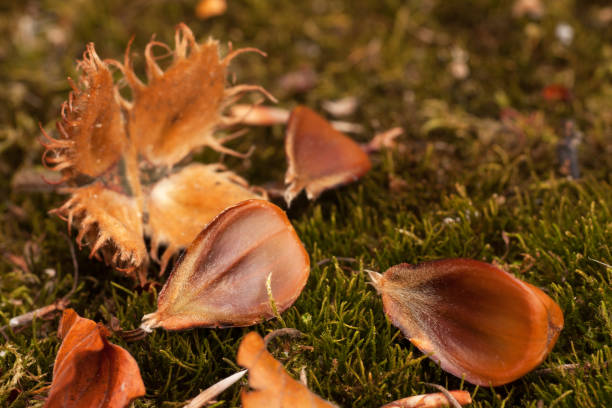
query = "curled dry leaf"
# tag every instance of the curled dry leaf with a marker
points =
(89, 371)
(476, 320)
(319, 157)
(117, 180)
(435, 400)
(223, 278)
(272, 386)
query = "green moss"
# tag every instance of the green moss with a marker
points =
(474, 186)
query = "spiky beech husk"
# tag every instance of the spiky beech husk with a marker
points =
(92, 133)
(131, 185)
(108, 222)
(180, 204)
(178, 110)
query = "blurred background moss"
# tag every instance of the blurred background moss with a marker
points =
(483, 90)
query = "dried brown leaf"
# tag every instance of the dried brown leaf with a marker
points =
(273, 387)
(89, 371)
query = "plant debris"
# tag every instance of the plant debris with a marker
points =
(134, 186)
(246, 266)
(272, 386)
(318, 156)
(477, 321)
(89, 371)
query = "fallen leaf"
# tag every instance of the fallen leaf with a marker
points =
(245, 264)
(384, 140)
(319, 157)
(272, 386)
(477, 321)
(89, 371)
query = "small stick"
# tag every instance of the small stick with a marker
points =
(340, 258)
(303, 377)
(435, 400)
(287, 331)
(447, 394)
(214, 390)
(27, 318)
(600, 262)
(61, 304)
(132, 336)
(567, 367)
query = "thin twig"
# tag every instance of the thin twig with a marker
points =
(339, 258)
(303, 376)
(75, 267)
(569, 367)
(60, 304)
(453, 401)
(287, 331)
(132, 336)
(601, 263)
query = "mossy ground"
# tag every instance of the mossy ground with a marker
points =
(472, 186)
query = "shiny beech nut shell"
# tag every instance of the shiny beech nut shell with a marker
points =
(244, 264)
(319, 157)
(476, 320)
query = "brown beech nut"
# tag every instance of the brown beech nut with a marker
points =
(318, 156)
(245, 264)
(476, 320)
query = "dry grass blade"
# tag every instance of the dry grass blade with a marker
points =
(214, 390)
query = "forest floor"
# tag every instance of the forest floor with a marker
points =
(486, 169)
